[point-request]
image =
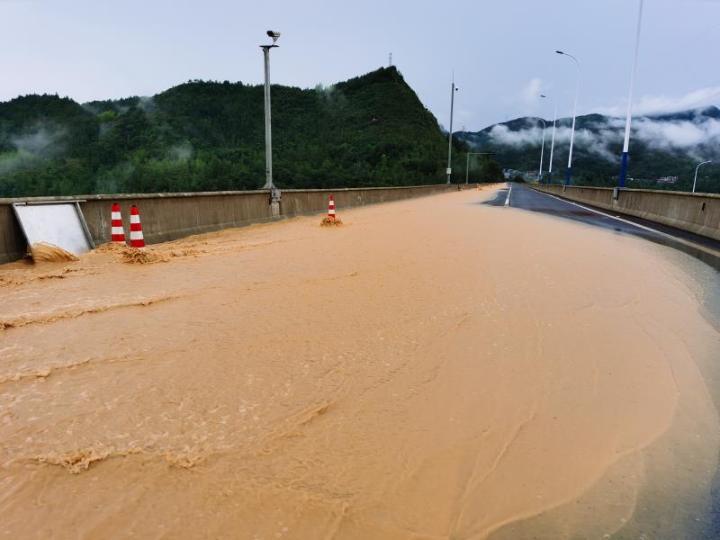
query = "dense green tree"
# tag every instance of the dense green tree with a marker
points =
(490, 171)
(370, 130)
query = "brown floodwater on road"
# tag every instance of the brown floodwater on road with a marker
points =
(433, 368)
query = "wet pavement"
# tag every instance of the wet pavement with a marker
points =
(705, 249)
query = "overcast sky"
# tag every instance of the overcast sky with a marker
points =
(501, 51)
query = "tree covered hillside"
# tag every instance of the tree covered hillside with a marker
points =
(371, 130)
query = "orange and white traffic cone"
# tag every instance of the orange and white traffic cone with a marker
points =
(331, 219)
(136, 235)
(331, 208)
(117, 231)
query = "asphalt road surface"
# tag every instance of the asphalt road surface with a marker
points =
(705, 249)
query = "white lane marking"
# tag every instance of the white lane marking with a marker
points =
(507, 200)
(628, 222)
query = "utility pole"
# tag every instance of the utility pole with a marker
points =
(453, 89)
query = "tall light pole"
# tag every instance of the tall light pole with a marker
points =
(453, 89)
(552, 145)
(696, 172)
(568, 175)
(268, 132)
(628, 119)
(542, 146)
(542, 149)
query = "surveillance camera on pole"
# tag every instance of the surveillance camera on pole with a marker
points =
(268, 133)
(274, 192)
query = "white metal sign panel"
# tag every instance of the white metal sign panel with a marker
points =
(57, 224)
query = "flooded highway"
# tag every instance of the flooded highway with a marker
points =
(703, 248)
(699, 257)
(444, 367)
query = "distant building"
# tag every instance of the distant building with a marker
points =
(667, 180)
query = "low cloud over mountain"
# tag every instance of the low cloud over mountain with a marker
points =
(661, 145)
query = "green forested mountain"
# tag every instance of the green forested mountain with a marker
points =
(368, 131)
(371, 130)
(662, 146)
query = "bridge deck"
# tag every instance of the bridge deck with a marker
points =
(438, 367)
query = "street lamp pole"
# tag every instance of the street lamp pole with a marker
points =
(552, 145)
(568, 175)
(696, 173)
(542, 149)
(628, 119)
(453, 89)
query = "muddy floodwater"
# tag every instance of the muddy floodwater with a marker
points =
(434, 368)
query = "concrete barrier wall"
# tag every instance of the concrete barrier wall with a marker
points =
(311, 201)
(694, 212)
(168, 216)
